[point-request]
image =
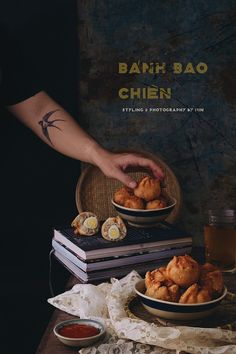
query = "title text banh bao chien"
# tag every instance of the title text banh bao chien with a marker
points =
(153, 91)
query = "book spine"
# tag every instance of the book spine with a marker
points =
(129, 260)
(82, 276)
(66, 253)
(119, 262)
(127, 249)
(139, 248)
(65, 241)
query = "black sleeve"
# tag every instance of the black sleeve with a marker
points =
(18, 78)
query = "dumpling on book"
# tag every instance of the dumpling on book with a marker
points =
(85, 224)
(114, 229)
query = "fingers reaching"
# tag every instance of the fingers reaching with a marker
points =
(124, 178)
(152, 166)
(117, 165)
(133, 160)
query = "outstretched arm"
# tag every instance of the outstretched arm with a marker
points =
(58, 129)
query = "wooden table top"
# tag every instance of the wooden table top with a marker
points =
(50, 344)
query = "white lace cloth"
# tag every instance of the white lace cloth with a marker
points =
(106, 303)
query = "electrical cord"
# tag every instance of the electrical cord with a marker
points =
(50, 273)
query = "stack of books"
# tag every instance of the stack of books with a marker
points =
(92, 258)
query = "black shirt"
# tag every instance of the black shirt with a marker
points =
(18, 77)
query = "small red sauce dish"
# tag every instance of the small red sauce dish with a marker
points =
(79, 333)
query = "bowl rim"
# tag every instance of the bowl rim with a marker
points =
(145, 210)
(177, 303)
(66, 322)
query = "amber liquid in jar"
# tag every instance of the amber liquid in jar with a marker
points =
(220, 239)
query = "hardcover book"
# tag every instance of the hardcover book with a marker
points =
(137, 239)
(105, 263)
(117, 272)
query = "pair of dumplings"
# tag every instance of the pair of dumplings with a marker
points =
(87, 224)
(147, 195)
(184, 281)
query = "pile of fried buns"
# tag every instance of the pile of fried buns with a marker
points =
(147, 195)
(185, 281)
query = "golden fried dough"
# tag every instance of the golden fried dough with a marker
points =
(158, 292)
(134, 202)
(213, 282)
(114, 229)
(162, 292)
(148, 188)
(174, 292)
(211, 279)
(183, 270)
(157, 275)
(86, 224)
(160, 287)
(194, 295)
(122, 194)
(183, 275)
(152, 288)
(156, 204)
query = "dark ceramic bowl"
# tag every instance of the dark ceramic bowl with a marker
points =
(175, 310)
(144, 217)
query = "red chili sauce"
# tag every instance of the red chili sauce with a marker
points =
(76, 330)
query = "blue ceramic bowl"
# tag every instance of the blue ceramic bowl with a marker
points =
(175, 310)
(79, 342)
(144, 217)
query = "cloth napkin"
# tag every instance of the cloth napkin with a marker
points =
(124, 335)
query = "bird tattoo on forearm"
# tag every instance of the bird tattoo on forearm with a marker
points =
(46, 124)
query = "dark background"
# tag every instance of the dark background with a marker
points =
(37, 183)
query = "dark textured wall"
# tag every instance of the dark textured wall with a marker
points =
(199, 147)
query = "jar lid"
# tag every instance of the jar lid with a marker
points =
(222, 216)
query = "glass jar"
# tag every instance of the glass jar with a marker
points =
(220, 238)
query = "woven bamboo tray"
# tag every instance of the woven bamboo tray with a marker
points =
(94, 191)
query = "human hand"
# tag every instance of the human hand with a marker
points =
(114, 166)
